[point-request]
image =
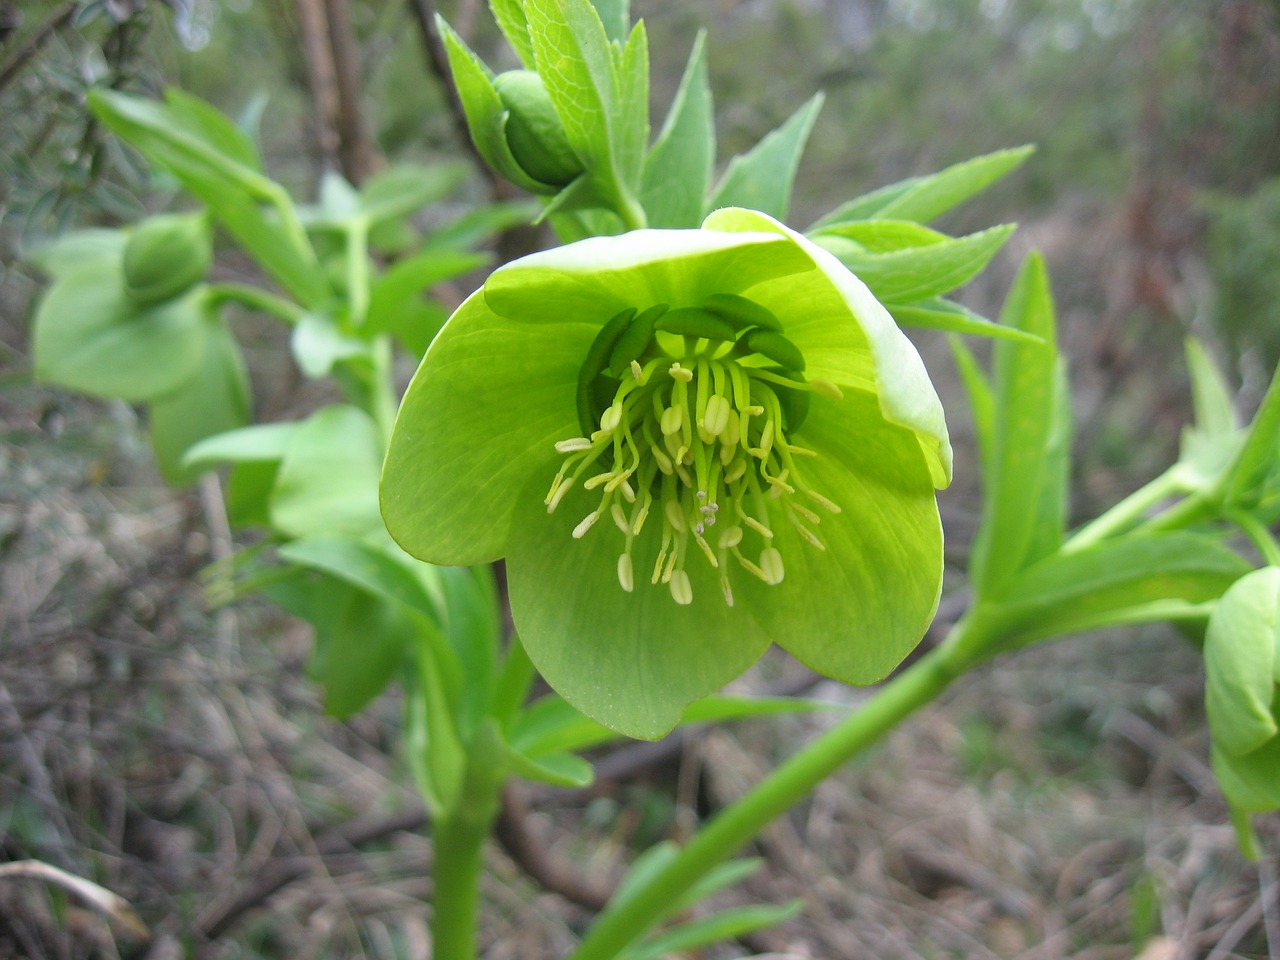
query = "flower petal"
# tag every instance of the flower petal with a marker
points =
(632, 661)
(480, 418)
(875, 355)
(595, 278)
(855, 610)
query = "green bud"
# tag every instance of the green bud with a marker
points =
(166, 255)
(534, 131)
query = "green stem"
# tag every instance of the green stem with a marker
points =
(458, 844)
(255, 298)
(1257, 531)
(1127, 513)
(623, 922)
(629, 209)
(358, 268)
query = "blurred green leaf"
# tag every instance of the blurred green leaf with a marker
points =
(762, 179)
(328, 480)
(382, 571)
(1240, 656)
(405, 188)
(216, 399)
(725, 925)
(938, 314)
(90, 336)
(318, 344)
(982, 402)
(925, 198)
(677, 172)
(78, 249)
(1260, 456)
(1251, 781)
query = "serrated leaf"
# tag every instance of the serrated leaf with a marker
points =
(938, 314)
(904, 276)
(1024, 395)
(925, 198)
(215, 400)
(573, 58)
(509, 15)
(677, 172)
(762, 179)
(629, 125)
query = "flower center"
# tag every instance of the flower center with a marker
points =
(689, 411)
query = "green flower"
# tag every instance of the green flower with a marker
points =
(687, 444)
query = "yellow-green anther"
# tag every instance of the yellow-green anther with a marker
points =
(585, 524)
(826, 388)
(730, 537)
(771, 565)
(675, 516)
(680, 373)
(716, 417)
(626, 573)
(681, 588)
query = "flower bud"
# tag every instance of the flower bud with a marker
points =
(166, 255)
(534, 131)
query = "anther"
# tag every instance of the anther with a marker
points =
(681, 588)
(680, 373)
(826, 388)
(730, 537)
(674, 516)
(822, 501)
(771, 565)
(620, 517)
(557, 495)
(586, 524)
(576, 445)
(610, 419)
(626, 573)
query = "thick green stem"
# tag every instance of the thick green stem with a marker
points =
(623, 922)
(256, 299)
(458, 842)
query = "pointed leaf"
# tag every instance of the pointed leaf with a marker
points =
(677, 173)
(982, 402)
(260, 443)
(1261, 452)
(762, 179)
(904, 276)
(406, 188)
(925, 198)
(1215, 413)
(725, 925)
(1024, 421)
(389, 576)
(616, 17)
(954, 318)
(511, 20)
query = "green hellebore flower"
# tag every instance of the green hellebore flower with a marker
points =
(687, 444)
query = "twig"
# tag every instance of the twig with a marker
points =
(320, 78)
(100, 898)
(356, 152)
(31, 46)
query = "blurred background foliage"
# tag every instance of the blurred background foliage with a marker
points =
(1155, 194)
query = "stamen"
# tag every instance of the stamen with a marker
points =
(576, 445)
(626, 573)
(771, 565)
(681, 588)
(557, 494)
(825, 388)
(586, 524)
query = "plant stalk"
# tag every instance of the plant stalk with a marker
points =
(624, 922)
(458, 841)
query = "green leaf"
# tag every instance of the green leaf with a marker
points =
(1215, 413)
(1260, 455)
(616, 17)
(556, 769)
(677, 172)
(1240, 655)
(725, 925)
(572, 53)
(361, 642)
(925, 198)
(432, 743)
(91, 337)
(884, 236)
(904, 276)
(982, 402)
(328, 479)
(1050, 524)
(212, 402)
(473, 628)
(318, 344)
(1052, 596)
(76, 250)
(1024, 394)
(382, 571)
(218, 131)
(954, 318)
(629, 126)
(511, 20)
(762, 178)
(406, 188)
(396, 302)
(1251, 782)
(260, 443)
